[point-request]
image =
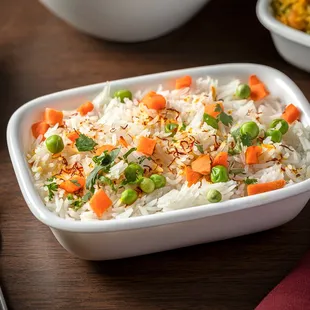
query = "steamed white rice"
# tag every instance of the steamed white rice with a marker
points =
(111, 119)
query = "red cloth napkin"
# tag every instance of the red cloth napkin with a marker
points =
(293, 293)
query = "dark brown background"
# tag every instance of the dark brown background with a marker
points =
(39, 54)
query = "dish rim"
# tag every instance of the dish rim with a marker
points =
(39, 210)
(264, 15)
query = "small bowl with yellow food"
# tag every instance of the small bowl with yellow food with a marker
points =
(289, 24)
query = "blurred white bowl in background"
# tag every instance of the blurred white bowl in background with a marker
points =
(126, 21)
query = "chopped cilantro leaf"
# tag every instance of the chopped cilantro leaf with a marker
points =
(51, 188)
(104, 163)
(246, 140)
(103, 159)
(218, 108)
(143, 158)
(236, 134)
(84, 143)
(106, 158)
(78, 203)
(210, 120)
(76, 183)
(136, 181)
(114, 153)
(183, 127)
(232, 152)
(200, 148)
(225, 118)
(237, 171)
(129, 152)
(107, 181)
(92, 177)
(249, 181)
(87, 196)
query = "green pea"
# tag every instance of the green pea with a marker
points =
(172, 128)
(210, 120)
(275, 135)
(159, 180)
(133, 171)
(147, 185)
(284, 125)
(251, 129)
(219, 174)
(129, 196)
(243, 91)
(122, 94)
(214, 195)
(54, 144)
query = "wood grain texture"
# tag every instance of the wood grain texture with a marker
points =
(39, 54)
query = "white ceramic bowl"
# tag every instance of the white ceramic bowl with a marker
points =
(293, 45)
(101, 240)
(125, 20)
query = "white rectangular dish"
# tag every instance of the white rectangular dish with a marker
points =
(103, 240)
(293, 45)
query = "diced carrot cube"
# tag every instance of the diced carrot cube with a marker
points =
(52, 117)
(146, 146)
(100, 202)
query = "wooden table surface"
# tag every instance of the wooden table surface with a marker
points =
(40, 54)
